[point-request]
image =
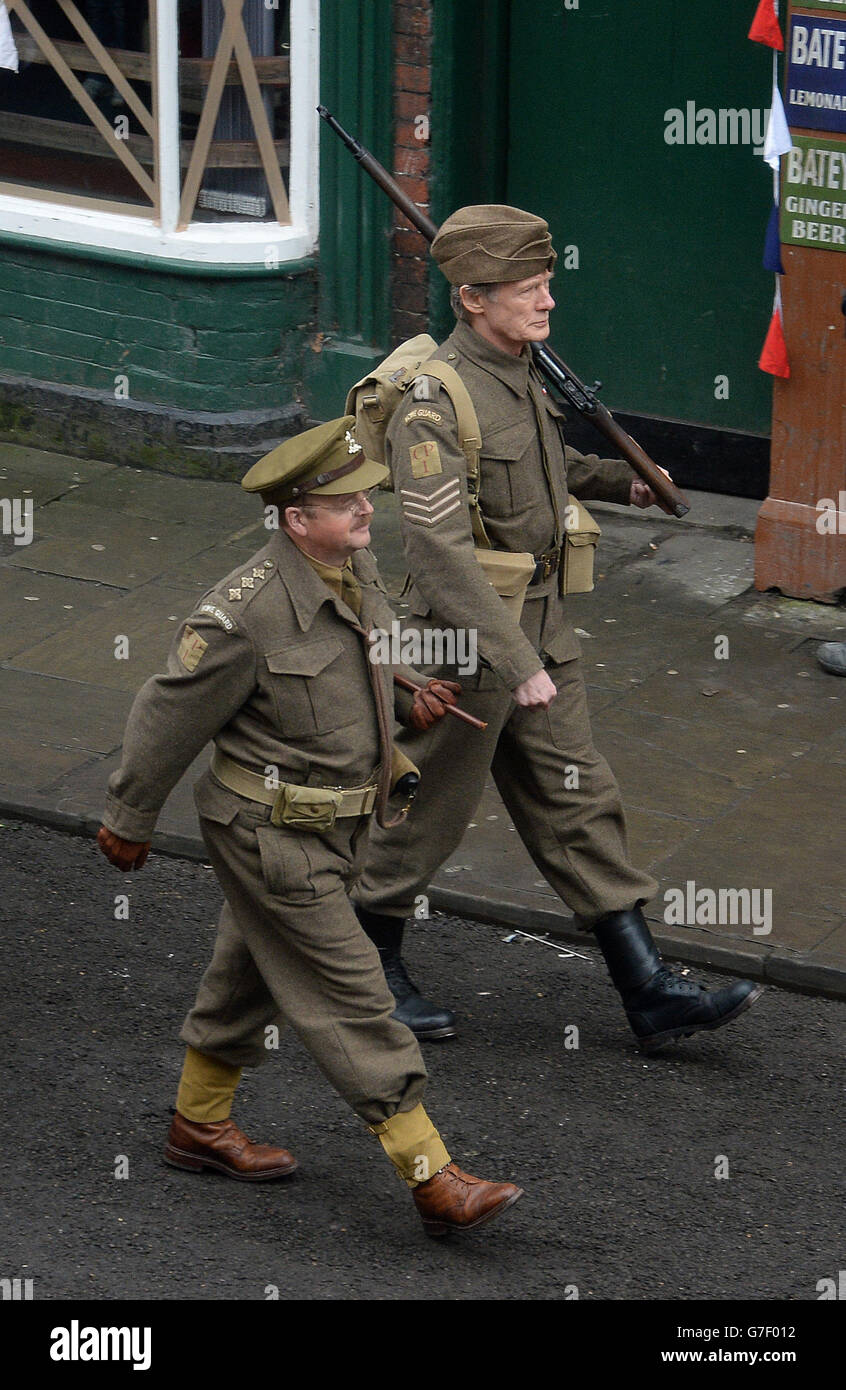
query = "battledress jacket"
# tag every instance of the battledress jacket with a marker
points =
(270, 666)
(519, 503)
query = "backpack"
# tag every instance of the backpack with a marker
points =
(373, 401)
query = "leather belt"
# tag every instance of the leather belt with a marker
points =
(546, 565)
(348, 801)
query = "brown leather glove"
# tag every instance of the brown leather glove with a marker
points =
(124, 854)
(430, 703)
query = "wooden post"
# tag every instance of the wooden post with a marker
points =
(800, 540)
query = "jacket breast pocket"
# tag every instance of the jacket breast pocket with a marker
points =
(505, 486)
(310, 687)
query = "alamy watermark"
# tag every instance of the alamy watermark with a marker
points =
(719, 907)
(16, 515)
(730, 125)
(16, 1290)
(831, 519)
(432, 646)
(83, 1343)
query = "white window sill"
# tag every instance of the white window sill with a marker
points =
(218, 243)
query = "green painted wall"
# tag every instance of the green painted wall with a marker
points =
(469, 119)
(670, 291)
(356, 49)
(217, 341)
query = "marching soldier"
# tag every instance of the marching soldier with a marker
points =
(529, 687)
(273, 665)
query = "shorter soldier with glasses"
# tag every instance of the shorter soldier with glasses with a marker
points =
(274, 666)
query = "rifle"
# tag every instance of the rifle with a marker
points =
(565, 386)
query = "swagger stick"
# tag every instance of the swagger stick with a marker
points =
(556, 373)
(450, 709)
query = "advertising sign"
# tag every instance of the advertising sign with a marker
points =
(813, 195)
(816, 73)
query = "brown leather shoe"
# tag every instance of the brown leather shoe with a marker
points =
(223, 1146)
(454, 1201)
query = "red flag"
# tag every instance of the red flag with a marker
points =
(765, 26)
(773, 357)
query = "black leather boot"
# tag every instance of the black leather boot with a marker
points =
(425, 1020)
(660, 1004)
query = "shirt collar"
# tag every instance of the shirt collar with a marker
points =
(512, 371)
(331, 574)
(307, 591)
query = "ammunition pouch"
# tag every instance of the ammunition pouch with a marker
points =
(509, 573)
(580, 542)
(305, 808)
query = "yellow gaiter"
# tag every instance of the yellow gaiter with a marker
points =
(206, 1088)
(412, 1144)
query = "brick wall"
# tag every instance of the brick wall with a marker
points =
(412, 100)
(220, 343)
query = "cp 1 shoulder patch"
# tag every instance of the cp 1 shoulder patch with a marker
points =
(423, 412)
(219, 616)
(425, 459)
(191, 649)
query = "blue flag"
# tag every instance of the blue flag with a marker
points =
(772, 244)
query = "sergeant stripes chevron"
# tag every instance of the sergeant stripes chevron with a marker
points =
(427, 509)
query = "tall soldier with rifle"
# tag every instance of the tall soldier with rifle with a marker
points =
(559, 791)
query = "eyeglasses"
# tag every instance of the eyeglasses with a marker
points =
(352, 507)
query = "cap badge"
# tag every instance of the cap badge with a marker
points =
(353, 447)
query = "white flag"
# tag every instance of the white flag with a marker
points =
(778, 140)
(8, 52)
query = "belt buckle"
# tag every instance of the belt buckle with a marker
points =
(551, 562)
(543, 569)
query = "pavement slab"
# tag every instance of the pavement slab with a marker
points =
(35, 606)
(160, 497)
(706, 748)
(708, 511)
(121, 551)
(770, 697)
(82, 793)
(702, 570)
(35, 473)
(687, 787)
(821, 622)
(86, 652)
(34, 764)
(779, 838)
(66, 714)
(615, 654)
(205, 569)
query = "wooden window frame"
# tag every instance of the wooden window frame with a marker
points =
(164, 229)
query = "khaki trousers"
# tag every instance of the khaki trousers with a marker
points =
(559, 791)
(289, 950)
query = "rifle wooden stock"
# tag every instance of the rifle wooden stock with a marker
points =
(558, 376)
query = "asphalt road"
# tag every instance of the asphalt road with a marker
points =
(618, 1153)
